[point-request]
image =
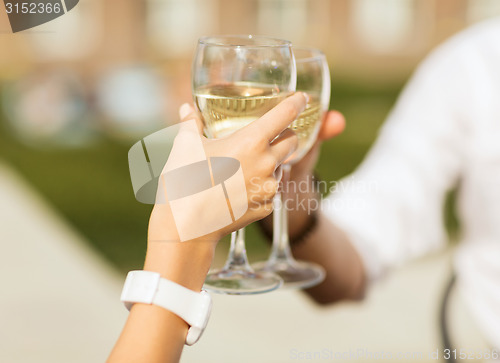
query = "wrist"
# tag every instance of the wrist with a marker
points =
(185, 263)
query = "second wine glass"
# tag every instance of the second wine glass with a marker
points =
(313, 77)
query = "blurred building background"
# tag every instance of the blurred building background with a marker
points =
(130, 60)
(375, 40)
(77, 92)
(87, 84)
(166, 30)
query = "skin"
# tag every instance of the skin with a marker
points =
(152, 334)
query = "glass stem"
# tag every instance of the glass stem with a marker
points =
(281, 246)
(237, 259)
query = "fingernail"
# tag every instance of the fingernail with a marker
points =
(184, 110)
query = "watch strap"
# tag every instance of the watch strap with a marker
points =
(148, 287)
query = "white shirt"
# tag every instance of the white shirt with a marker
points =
(444, 131)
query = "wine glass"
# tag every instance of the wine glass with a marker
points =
(236, 80)
(313, 77)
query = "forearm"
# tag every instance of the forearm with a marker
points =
(329, 247)
(151, 333)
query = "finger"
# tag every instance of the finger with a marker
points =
(280, 117)
(284, 145)
(187, 112)
(333, 125)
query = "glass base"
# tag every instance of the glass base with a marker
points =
(241, 282)
(295, 274)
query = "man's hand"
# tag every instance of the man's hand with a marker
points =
(333, 125)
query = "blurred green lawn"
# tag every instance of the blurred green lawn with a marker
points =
(92, 190)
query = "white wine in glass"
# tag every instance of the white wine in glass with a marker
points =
(306, 127)
(226, 108)
(313, 77)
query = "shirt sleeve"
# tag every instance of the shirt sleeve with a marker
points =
(391, 207)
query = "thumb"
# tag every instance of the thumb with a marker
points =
(333, 125)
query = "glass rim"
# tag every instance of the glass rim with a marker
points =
(316, 54)
(211, 41)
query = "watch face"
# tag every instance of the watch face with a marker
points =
(140, 287)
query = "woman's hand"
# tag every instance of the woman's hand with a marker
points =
(153, 334)
(260, 148)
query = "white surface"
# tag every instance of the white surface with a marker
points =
(400, 315)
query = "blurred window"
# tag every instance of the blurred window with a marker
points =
(71, 36)
(283, 18)
(383, 26)
(132, 101)
(174, 26)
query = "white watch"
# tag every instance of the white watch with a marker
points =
(148, 287)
